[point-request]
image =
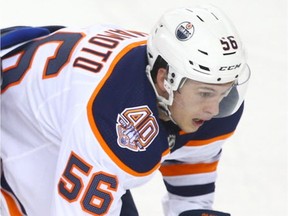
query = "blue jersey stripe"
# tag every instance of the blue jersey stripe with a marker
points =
(191, 190)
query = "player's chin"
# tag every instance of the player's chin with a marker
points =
(190, 127)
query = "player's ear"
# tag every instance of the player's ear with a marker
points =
(161, 76)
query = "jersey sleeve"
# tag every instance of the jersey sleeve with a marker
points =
(106, 145)
(88, 182)
(190, 172)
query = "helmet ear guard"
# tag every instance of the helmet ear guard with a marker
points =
(199, 44)
(167, 86)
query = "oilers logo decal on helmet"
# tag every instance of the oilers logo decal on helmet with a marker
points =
(184, 31)
(136, 128)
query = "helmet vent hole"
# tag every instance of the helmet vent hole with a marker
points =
(204, 68)
(191, 62)
(189, 10)
(200, 18)
(215, 16)
(219, 79)
(236, 76)
(150, 55)
(203, 52)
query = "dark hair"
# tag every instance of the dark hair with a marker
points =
(159, 63)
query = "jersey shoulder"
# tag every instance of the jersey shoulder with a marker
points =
(125, 116)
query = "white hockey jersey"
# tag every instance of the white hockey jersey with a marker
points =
(80, 126)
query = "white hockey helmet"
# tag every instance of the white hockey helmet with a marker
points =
(199, 44)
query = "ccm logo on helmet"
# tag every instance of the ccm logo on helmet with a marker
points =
(232, 67)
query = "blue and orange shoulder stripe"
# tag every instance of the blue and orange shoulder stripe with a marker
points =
(123, 115)
(212, 131)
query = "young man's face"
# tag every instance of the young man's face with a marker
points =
(196, 103)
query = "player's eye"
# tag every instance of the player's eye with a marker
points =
(206, 94)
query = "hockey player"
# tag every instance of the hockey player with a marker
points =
(90, 113)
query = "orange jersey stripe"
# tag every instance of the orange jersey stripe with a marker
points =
(187, 169)
(208, 141)
(12, 204)
(94, 127)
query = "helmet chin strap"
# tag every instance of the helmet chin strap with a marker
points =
(162, 101)
(165, 109)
